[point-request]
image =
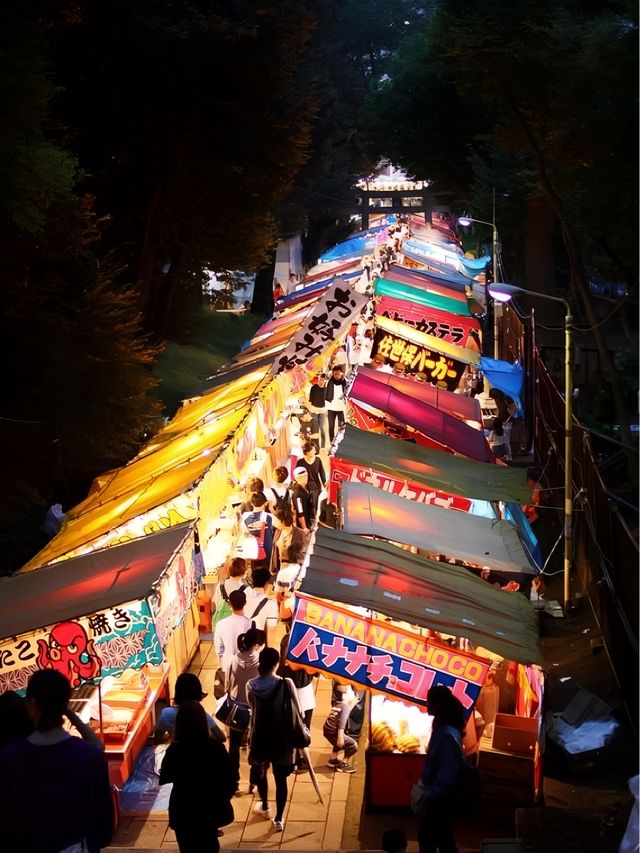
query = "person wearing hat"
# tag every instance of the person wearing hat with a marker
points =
(336, 397)
(188, 689)
(302, 498)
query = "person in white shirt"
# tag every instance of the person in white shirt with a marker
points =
(260, 609)
(366, 345)
(225, 637)
(336, 400)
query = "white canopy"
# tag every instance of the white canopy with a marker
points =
(473, 538)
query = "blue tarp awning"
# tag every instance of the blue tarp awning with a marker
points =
(506, 377)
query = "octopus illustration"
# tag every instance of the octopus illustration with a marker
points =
(69, 651)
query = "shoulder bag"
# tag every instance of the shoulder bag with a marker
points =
(300, 734)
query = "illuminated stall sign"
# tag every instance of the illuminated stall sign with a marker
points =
(173, 596)
(333, 314)
(329, 639)
(84, 649)
(456, 329)
(346, 472)
(440, 370)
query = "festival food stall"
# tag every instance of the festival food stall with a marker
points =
(449, 432)
(422, 474)
(119, 623)
(481, 543)
(367, 613)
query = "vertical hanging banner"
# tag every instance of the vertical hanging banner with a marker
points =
(335, 311)
(369, 653)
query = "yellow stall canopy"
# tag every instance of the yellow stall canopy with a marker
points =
(482, 541)
(378, 576)
(166, 469)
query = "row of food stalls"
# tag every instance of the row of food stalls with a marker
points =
(177, 498)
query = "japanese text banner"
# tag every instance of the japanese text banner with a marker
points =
(84, 649)
(327, 638)
(335, 311)
(343, 471)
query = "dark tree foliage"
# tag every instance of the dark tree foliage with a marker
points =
(190, 124)
(537, 99)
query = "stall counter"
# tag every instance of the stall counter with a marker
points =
(121, 756)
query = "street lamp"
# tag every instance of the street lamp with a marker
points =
(503, 293)
(465, 221)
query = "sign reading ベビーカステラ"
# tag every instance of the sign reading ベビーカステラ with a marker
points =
(328, 321)
(329, 639)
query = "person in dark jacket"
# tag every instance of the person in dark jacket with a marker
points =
(203, 782)
(271, 732)
(54, 787)
(441, 772)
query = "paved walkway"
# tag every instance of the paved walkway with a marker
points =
(309, 825)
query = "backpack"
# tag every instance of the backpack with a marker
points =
(281, 502)
(224, 609)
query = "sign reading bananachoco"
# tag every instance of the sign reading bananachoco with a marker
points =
(329, 639)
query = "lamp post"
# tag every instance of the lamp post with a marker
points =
(503, 293)
(465, 221)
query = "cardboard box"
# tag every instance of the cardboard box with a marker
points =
(515, 734)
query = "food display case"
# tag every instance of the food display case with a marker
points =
(122, 713)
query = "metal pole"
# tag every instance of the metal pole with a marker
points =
(496, 348)
(568, 458)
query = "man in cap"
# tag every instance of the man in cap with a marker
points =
(301, 498)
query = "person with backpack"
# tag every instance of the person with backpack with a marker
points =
(271, 733)
(225, 637)
(259, 524)
(260, 608)
(243, 667)
(441, 773)
(237, 580)
(279, 495)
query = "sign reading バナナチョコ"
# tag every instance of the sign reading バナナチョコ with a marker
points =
(327, 638)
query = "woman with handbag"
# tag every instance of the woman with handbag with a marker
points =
(200, 769)
(272, 737)
(243, 667)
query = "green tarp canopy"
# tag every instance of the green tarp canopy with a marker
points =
(434, 468)
(378, 576)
